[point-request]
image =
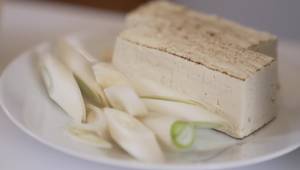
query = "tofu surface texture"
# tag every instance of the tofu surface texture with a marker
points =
(184, 20)
(218, 69)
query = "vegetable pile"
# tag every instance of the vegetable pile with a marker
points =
(107, 109)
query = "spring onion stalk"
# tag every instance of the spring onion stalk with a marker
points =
(78, 46)
(133, 136)
(172, 132)
(184, 111)
(124, 98)
(182, 134)
(87, 137)
(61, 86)
(150, 89)
(107, 75)
(82, 71)
(95, 121)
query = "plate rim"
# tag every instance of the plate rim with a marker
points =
(124, 163)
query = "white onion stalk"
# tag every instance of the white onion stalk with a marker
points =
(149, 89)
(124, 98)
(133, 136)
(87, 137)
(171, 131)
(61, 86)
(78, 46)
(107, 75)
(82, 71)
(184, 111)
(95, 121)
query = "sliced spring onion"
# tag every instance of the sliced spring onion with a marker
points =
(149, 89)
(107, 75)
(87, 137)
(82, 71)
(124, 98)
(78, 46)
(95, 121)
(184, 111)
(183, 134)
(171, 131)
(133, 136)
(61, 86)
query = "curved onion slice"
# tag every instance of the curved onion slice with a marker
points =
(185, 111)
(78, 46)
(133, 136)
(124, 98)
(150, 89)
(107, 75)
(172, 132)
(61, 86)
(87, 137)
(95, 121)
(82, 71)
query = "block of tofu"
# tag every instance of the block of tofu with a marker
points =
(236, 83)
(205, 26)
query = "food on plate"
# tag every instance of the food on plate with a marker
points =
(95, 121)
(82, 71)
(195, 25)
(61, 85)
(107, 75)
(88, 137)
(185, 111)
(217, 71)
(173, 132)
(125, 98)
(133, 136)
(177, 78)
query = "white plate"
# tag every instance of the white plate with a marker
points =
(26, 103)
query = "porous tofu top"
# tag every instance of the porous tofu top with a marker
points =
(164, 12)
(236, 62)
(180, 34)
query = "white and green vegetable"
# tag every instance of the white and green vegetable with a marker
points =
(107, 106)
(77, 45)
(133, 136)
(182, 110)
(95, 121)
(171, 131)
(82, 71)
(150, 89)
(124, 98)
(61, 86)
(88, 137)
(107, 75)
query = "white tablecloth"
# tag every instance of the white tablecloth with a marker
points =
(24, 24)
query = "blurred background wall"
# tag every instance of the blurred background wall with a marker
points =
(281, 17)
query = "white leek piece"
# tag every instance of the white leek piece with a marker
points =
(78, 46)
(82, 71)
(107, 75)
(133, 136)
(185, 111)
(87, 137)
(149, 89)
(95, 121)
(62, 87)
(172, 132)
(124, 98)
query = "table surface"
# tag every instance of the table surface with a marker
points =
(26, 24)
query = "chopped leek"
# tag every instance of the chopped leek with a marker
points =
(133, 136)
(124, 98)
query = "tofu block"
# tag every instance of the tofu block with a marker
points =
(203, 26)
(233, 82)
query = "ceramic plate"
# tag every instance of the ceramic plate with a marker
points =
(25, 101)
